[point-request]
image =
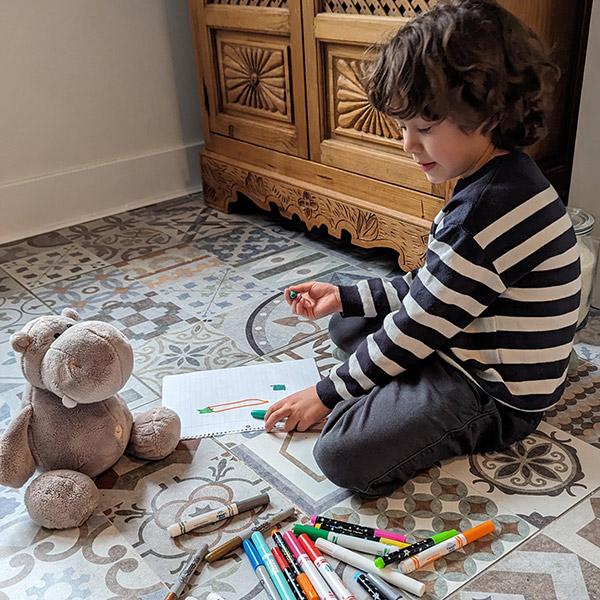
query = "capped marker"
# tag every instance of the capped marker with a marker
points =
(366, 564)
(332, 579)
(352, 529)
(287, 573)
(408, 565)
(347, 541)
(272, 567)
(302, 578)
(308, 567)
(366, 584)
(382, 561)
(387, 590)
(259, 568)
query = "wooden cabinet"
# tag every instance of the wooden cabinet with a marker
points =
(287, 122)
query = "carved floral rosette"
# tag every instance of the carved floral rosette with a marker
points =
(223, 182)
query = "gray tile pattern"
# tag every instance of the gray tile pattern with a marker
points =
(196, 289)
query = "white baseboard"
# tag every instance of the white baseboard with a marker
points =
(62, 199)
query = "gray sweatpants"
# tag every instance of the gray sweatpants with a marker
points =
(376, 442)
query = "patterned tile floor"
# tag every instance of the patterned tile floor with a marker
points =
(195, 289)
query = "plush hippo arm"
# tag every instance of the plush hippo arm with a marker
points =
(16, 461)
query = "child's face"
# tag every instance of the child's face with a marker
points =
(443, 150)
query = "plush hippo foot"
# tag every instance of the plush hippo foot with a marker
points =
(154, 434)
(61, 499)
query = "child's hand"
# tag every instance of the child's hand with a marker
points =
(314, 299)
(299, 411)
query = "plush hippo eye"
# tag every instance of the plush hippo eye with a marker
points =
(57, 334)
(69, 325)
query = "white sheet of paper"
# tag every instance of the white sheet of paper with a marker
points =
(220, 401)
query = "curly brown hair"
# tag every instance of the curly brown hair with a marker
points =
(470, 61)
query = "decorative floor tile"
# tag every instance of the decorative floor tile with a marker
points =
(138, 396)
(538, 478)
(178, 492)
(549, 481)
(30, 246)
(192, 219)
(540, 568)
(167, 263)
(318, 346)
(578, 412)
(432, 502)
(9, 286)
(242, 243)
(120, 237)
(18, 309)
(92, 561)
(296, 265)
(265, 327)
(286, 461)
(579, 530)
(195, 347)
(108, 295)
(588, 352)
(53, 265)
(207, 286)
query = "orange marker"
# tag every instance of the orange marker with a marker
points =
(303, 581)
(454, 543)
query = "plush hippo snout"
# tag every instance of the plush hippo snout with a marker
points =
(88, 362)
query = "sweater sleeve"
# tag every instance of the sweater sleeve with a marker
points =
(373, 297)
(456, 285)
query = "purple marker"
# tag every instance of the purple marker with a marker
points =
(367, 533)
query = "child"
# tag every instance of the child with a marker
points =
(464, 354)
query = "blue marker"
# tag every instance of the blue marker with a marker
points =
(259, 569)
(283, 587)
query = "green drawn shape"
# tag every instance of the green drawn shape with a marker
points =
(278, 387)
(206, 410)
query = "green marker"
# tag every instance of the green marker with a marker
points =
(258, 414)
(382, 561)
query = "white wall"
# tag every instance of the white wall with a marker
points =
(99, 110)
(585, 182)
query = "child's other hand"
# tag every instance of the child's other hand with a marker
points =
(314, 299)
(299, 411)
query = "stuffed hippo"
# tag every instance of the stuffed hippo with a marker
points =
(73, 424)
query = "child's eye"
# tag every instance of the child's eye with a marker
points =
(424, 130)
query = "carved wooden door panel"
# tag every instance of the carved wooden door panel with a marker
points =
(252, 67)
(345, 130)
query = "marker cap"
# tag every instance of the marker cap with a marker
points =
(478, 532)
(253, 555)
(444, 535)
(253, 502)
(311, 532)
(258, 414)
(293, 544)
(280, 558)
(310, 548)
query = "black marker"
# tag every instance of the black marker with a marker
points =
(367, 585)
(382, 561)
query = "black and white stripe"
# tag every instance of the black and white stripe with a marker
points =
(497, 298)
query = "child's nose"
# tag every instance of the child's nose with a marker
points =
(410, 142)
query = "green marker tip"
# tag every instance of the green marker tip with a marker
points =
(258, 414)
(379, 562)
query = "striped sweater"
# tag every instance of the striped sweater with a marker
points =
(497, 297)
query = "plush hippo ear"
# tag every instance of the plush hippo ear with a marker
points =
(20, 341)
(70, 313)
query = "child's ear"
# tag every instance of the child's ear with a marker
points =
(20, 341)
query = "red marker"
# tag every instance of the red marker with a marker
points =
(287, 573)
(329, 575)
